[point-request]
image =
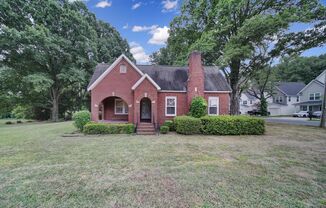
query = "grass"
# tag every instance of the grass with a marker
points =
(40, 168)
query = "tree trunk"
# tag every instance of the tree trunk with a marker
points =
(263, 106)
(323, 110)
(55, 105)
(234, 83)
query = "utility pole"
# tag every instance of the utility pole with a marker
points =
(323, 110)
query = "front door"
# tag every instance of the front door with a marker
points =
(145, 110)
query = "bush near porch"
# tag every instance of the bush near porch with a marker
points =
(219, 125)
(103, 128)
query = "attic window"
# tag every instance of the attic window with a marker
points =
(123, 69)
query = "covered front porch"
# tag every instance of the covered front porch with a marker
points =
(310, 105)
(113, 110)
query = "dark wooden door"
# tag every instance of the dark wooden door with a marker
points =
(145, 110)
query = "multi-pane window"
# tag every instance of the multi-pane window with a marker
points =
(314, 96)
(123, 69)
(298, 98)
(245, 102)
(120, 107)
(170, 106)
(213, 106)
(289, 98)
(279, 99)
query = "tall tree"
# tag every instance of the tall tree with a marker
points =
(51, 47)
(230, 34)
(162, 57)
(300, 69)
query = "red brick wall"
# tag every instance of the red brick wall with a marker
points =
(145, 89)
(196, 77)
(224, 101)
(182, 108)
(115, 84)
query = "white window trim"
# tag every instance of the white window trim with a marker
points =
(124, 106)
(166, 107)
(314, 95)
(218, 106)
(123, 67)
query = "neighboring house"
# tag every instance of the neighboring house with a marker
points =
(125, 92)
(284, 98)
(312, 94)
(248, 103)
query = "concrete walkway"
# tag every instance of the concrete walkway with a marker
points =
(292, 121)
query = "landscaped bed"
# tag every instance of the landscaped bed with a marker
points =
(40, 168)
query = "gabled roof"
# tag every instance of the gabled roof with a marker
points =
(145, 76)
(172, 77)
(312, 81)
(290, 88)
(101, 72)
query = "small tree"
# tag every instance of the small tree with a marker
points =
(81, 118)
(198, 107)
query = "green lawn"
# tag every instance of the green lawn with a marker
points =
(40, 168)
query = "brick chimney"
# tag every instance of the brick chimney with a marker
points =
(195, 85)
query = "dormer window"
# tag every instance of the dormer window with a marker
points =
(123, 69)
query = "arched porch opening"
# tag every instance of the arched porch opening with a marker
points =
(113, 109)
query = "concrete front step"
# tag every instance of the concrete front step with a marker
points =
(145, 129)
(146, 133)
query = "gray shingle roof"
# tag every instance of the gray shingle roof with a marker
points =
(291, 88)
(174, 78)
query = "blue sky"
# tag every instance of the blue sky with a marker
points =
(145, 23)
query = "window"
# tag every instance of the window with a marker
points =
(245, 102)
(304, 108)
(250, 102)
(213, 106)
(123, 69)
(310, 108)
(170, 106)
(279, 99)
(298, 98)
(289, 98)
(120, 107)
(314, 96)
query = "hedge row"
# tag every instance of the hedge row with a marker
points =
(187, 125)
(103, 128)
(219, 125)
(232, 125)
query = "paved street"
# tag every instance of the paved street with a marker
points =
(292, 120)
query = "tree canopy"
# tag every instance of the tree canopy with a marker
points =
(48, 52)
(235, 34)
(300, 69)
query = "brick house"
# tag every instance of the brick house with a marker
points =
(125, 92)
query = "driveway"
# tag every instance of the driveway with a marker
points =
(292, 121)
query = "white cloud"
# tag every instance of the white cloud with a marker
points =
(126, 26)
(159, 35)
(169, 5)
(138, 53)
(137, 28)
(103, 4)
(135, 6)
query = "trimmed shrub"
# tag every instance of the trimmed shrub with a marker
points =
(198, 107)
(170, 124)
(187, 125)
(9, 122)
(19, 122)
(164, 129)
(232, 125)
(104, 128)
(81, 118)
